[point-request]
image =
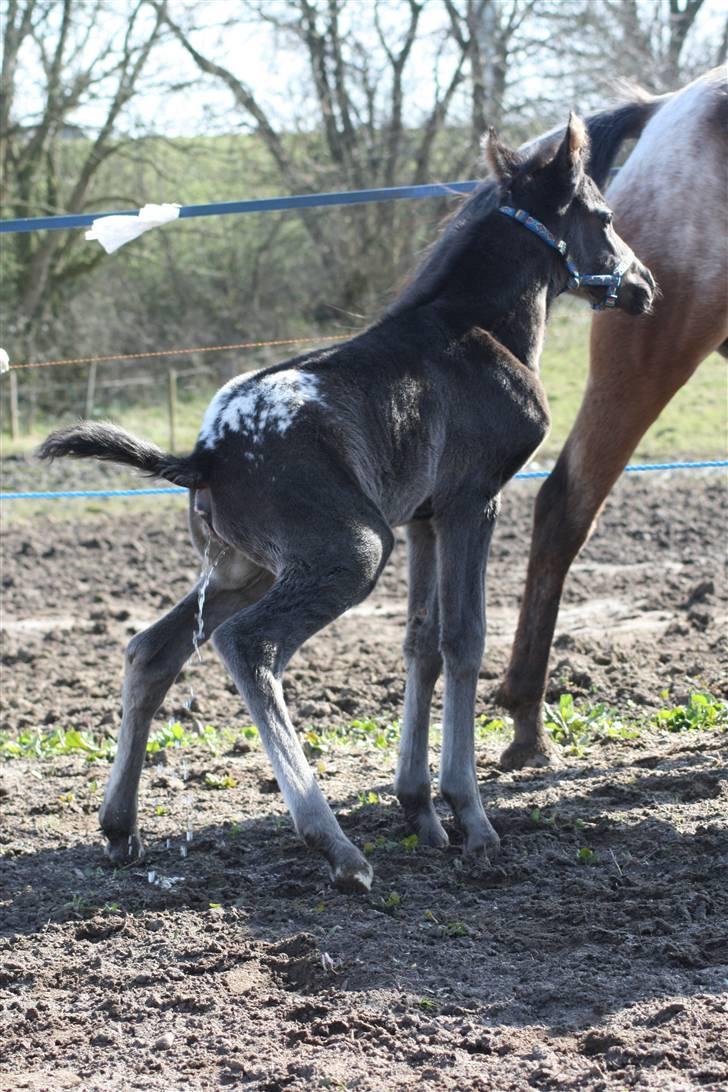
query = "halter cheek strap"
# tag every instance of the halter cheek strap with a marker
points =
(610, 281)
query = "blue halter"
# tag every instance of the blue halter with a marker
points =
(610, 281)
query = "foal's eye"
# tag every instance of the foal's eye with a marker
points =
(606, 216)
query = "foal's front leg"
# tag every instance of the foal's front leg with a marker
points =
(463, 541)
(424, 663)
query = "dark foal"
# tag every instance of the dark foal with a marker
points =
(302, 470)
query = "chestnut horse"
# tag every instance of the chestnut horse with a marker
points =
(669, 205)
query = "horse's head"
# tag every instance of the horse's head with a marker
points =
(551, 190)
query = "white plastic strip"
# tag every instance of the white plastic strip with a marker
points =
(113, 231)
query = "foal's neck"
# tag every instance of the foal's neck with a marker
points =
(522, 327)
(507, 290)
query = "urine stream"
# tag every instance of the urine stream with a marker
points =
(198, 634)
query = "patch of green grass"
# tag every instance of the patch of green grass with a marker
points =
(694, 423)
(54, 742)
(702, 712)
(485, 727)
(576, 727)
(364, 733)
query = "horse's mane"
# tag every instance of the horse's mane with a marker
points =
(459, 228)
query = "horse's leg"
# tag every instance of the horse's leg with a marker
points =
(637, 365)
(463, 540)
(255, 646)
(154, 658)
(424, 663)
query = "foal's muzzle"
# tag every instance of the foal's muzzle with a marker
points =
(637, 291)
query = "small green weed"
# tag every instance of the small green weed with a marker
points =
(702, 712)
(574, 728)
(492, 726)
(224, 781)
(369, 797)
(457, 929)
(538, 817)
(586, 856)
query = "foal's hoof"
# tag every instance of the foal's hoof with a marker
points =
(123, 849)
(428, 828)
(519, 755)
(352, 872)
(481, 845)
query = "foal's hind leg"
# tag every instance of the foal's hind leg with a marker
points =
(424, 663)
(256, 645)
(154, 658)
(463, 540)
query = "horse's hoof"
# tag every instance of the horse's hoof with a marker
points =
(124, 849)
(519, 755)
(353, 874)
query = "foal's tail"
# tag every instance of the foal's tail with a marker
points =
(91, 440)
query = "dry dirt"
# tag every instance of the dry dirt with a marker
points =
(240, 966)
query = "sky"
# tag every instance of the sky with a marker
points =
(266, 61)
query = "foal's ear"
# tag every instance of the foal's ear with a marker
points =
(571, 157)
(500, 160)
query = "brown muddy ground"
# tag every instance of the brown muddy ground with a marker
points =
(240, 966)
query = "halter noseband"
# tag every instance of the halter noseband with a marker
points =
(610, 281)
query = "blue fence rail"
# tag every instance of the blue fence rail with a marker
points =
(262, 204)
(74, 494)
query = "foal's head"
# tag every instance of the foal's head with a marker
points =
(554, 188)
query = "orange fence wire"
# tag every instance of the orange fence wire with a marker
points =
(178, 352)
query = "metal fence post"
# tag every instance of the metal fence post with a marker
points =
(172, 400)
(90, 390)
(14, 417)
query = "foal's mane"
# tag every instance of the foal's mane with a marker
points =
(458, 229)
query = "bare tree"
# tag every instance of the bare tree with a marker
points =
(660, 43)
(77, 63)
(358, 75)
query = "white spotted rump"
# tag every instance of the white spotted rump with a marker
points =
(258, 404)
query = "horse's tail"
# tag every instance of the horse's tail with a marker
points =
(608, 129)
(92, 440)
